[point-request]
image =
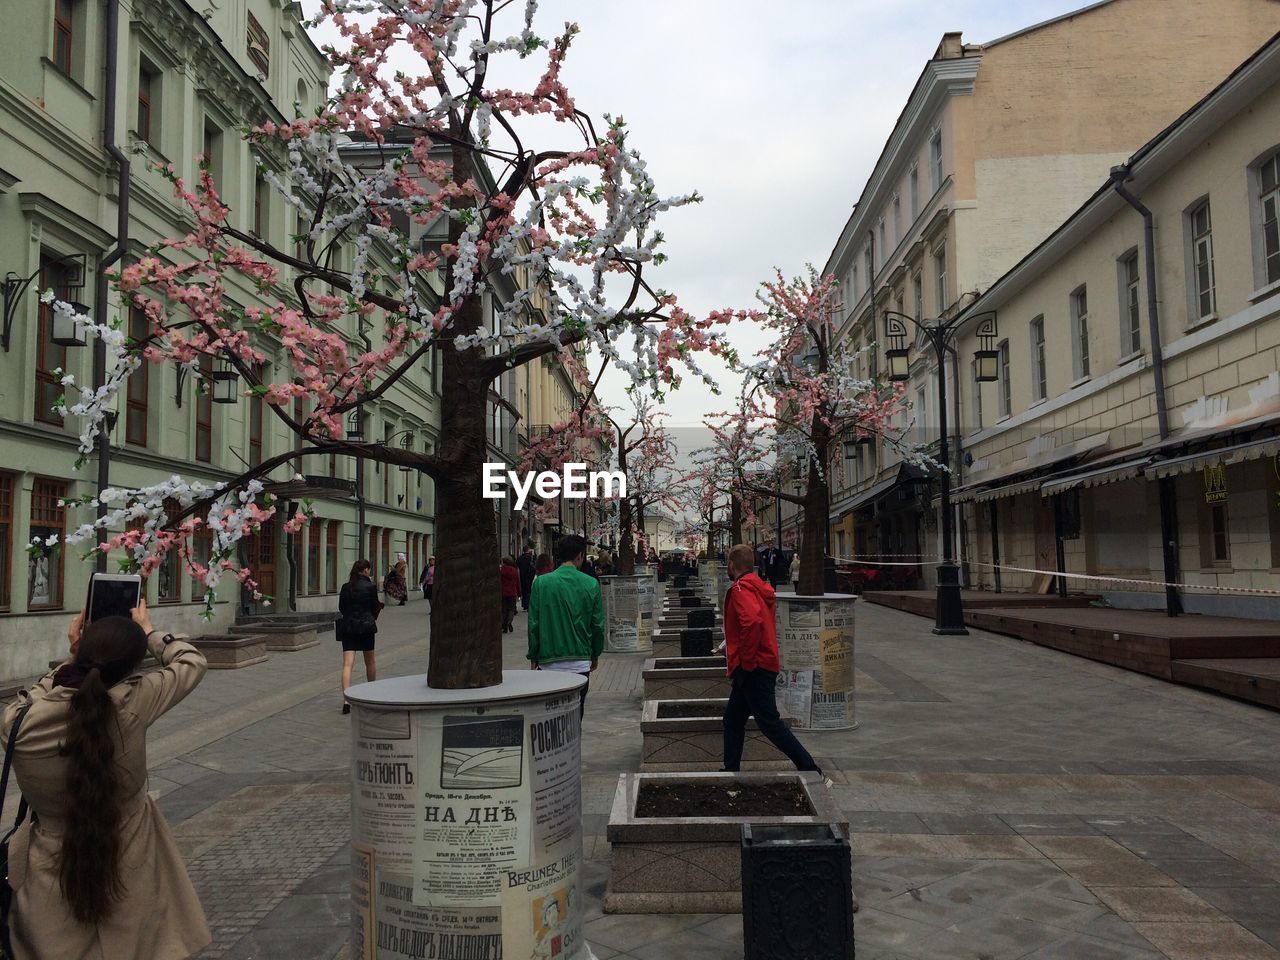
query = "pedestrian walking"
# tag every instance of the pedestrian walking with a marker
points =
(542, 565)
(795, 571)
(95, 871)
(394, 584)
(751, 648)
(429, 580)
(528, 570)
(566, 617)
(510, 577)
(357, 625)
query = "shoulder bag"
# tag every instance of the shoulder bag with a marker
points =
(6, 892)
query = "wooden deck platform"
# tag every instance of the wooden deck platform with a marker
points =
(922, 602)
(1238, 657)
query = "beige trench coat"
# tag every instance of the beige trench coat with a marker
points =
(159, 916)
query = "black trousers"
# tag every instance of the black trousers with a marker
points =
(753, 696)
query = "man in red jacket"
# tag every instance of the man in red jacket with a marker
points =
(751, 642)
(510, 576)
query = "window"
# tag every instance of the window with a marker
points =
(1039, 382)
(884, 249)
(1130, 306)
(204, 411)
(148, 123)
(168, 575)
(913, 183)
(44, 567)
(1006, 385)
(1269, 181)
(64, 32)
(386, 555)
(940, 275)
(373, 552)
(315, 529)
(1202, 261)
(935, 160)
(1080, 332)
(331, 556)
(922, 412)
(1217, 550)
(897, 219)
(49, 356)
(212, 150)
(201, 552)
(138, 386)
(6, 537)
(258, 45)
(917, 291)
(853, 283)
(868, 260)
(261, 201)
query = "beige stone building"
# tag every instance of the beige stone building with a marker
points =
(996, 145)
(1097, 406)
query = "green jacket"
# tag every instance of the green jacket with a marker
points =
(566, 617)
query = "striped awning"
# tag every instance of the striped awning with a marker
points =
(1003, 484)
(1225, 456)
(995, 493)
(1095, 478)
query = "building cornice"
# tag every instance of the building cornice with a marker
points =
(940, 80)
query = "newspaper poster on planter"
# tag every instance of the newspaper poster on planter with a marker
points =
(815, 640)
(628, 611)
(467, 823)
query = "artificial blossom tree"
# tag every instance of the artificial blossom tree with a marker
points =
(568, 204)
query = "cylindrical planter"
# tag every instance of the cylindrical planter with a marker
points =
(466, 819)
(628, 613)
(815, 641)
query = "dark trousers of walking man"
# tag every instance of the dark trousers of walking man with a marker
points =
(752, 695)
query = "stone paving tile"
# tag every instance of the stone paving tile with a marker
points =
(1206, 941)
(1157, 904)
(965, 824)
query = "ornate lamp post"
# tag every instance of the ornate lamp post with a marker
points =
(939, 333)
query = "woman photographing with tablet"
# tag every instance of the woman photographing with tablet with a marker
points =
(95, 871)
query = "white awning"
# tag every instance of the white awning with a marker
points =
(982, 490)
(1254, 450)
(1095, 478)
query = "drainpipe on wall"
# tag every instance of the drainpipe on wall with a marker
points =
(1168, 495)
(113, 255)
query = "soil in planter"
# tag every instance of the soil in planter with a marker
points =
(684, 663)
(696, 708)
(783, 799)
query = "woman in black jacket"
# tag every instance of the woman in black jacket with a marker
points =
(357, 625)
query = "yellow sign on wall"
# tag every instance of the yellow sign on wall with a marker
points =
(1215, 483)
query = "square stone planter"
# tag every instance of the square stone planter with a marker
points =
(663, 862)
(231, 653)
(666, 643)
(685, 678)
(686, 735)
(281, 637)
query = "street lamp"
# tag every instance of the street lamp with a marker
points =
(406, 444)
(224, 383)
(939, 334)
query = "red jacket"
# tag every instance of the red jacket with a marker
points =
(510, 580)
(750, 625)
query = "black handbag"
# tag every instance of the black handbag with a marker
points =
(6, 892)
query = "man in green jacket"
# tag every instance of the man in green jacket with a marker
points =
(566, 616)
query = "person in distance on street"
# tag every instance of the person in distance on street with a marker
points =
(395, 585)
(528, 569)
(95, 872)
(429, 581)
(566, 617)
(751, 649)
(510, 578)
(358, 606)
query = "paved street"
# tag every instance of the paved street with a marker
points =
(1008, 801)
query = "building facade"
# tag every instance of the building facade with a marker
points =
(996, 145)
(185, 83)
(1099, 402)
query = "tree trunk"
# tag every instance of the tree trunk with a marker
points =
(813, 546)
(626, 543)
(466, 607)
(735, 521)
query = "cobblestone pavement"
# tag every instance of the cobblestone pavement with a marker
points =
(1007, 801)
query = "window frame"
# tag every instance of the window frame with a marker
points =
(54, 491)
(935, 159)
(940, 278)
(913, 187)
(1129, 278)
(1267, 263)
(1081, 360)
(147, 102)
(1201, 252)
(138, 388)
(204, 411)
(1005, 405)
(917, 292)
(63, 55)
(332, 543)
(1039, 359)
(172, 508)
(54, 276)
(314, 550)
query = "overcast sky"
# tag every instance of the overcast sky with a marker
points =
(774, 112)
